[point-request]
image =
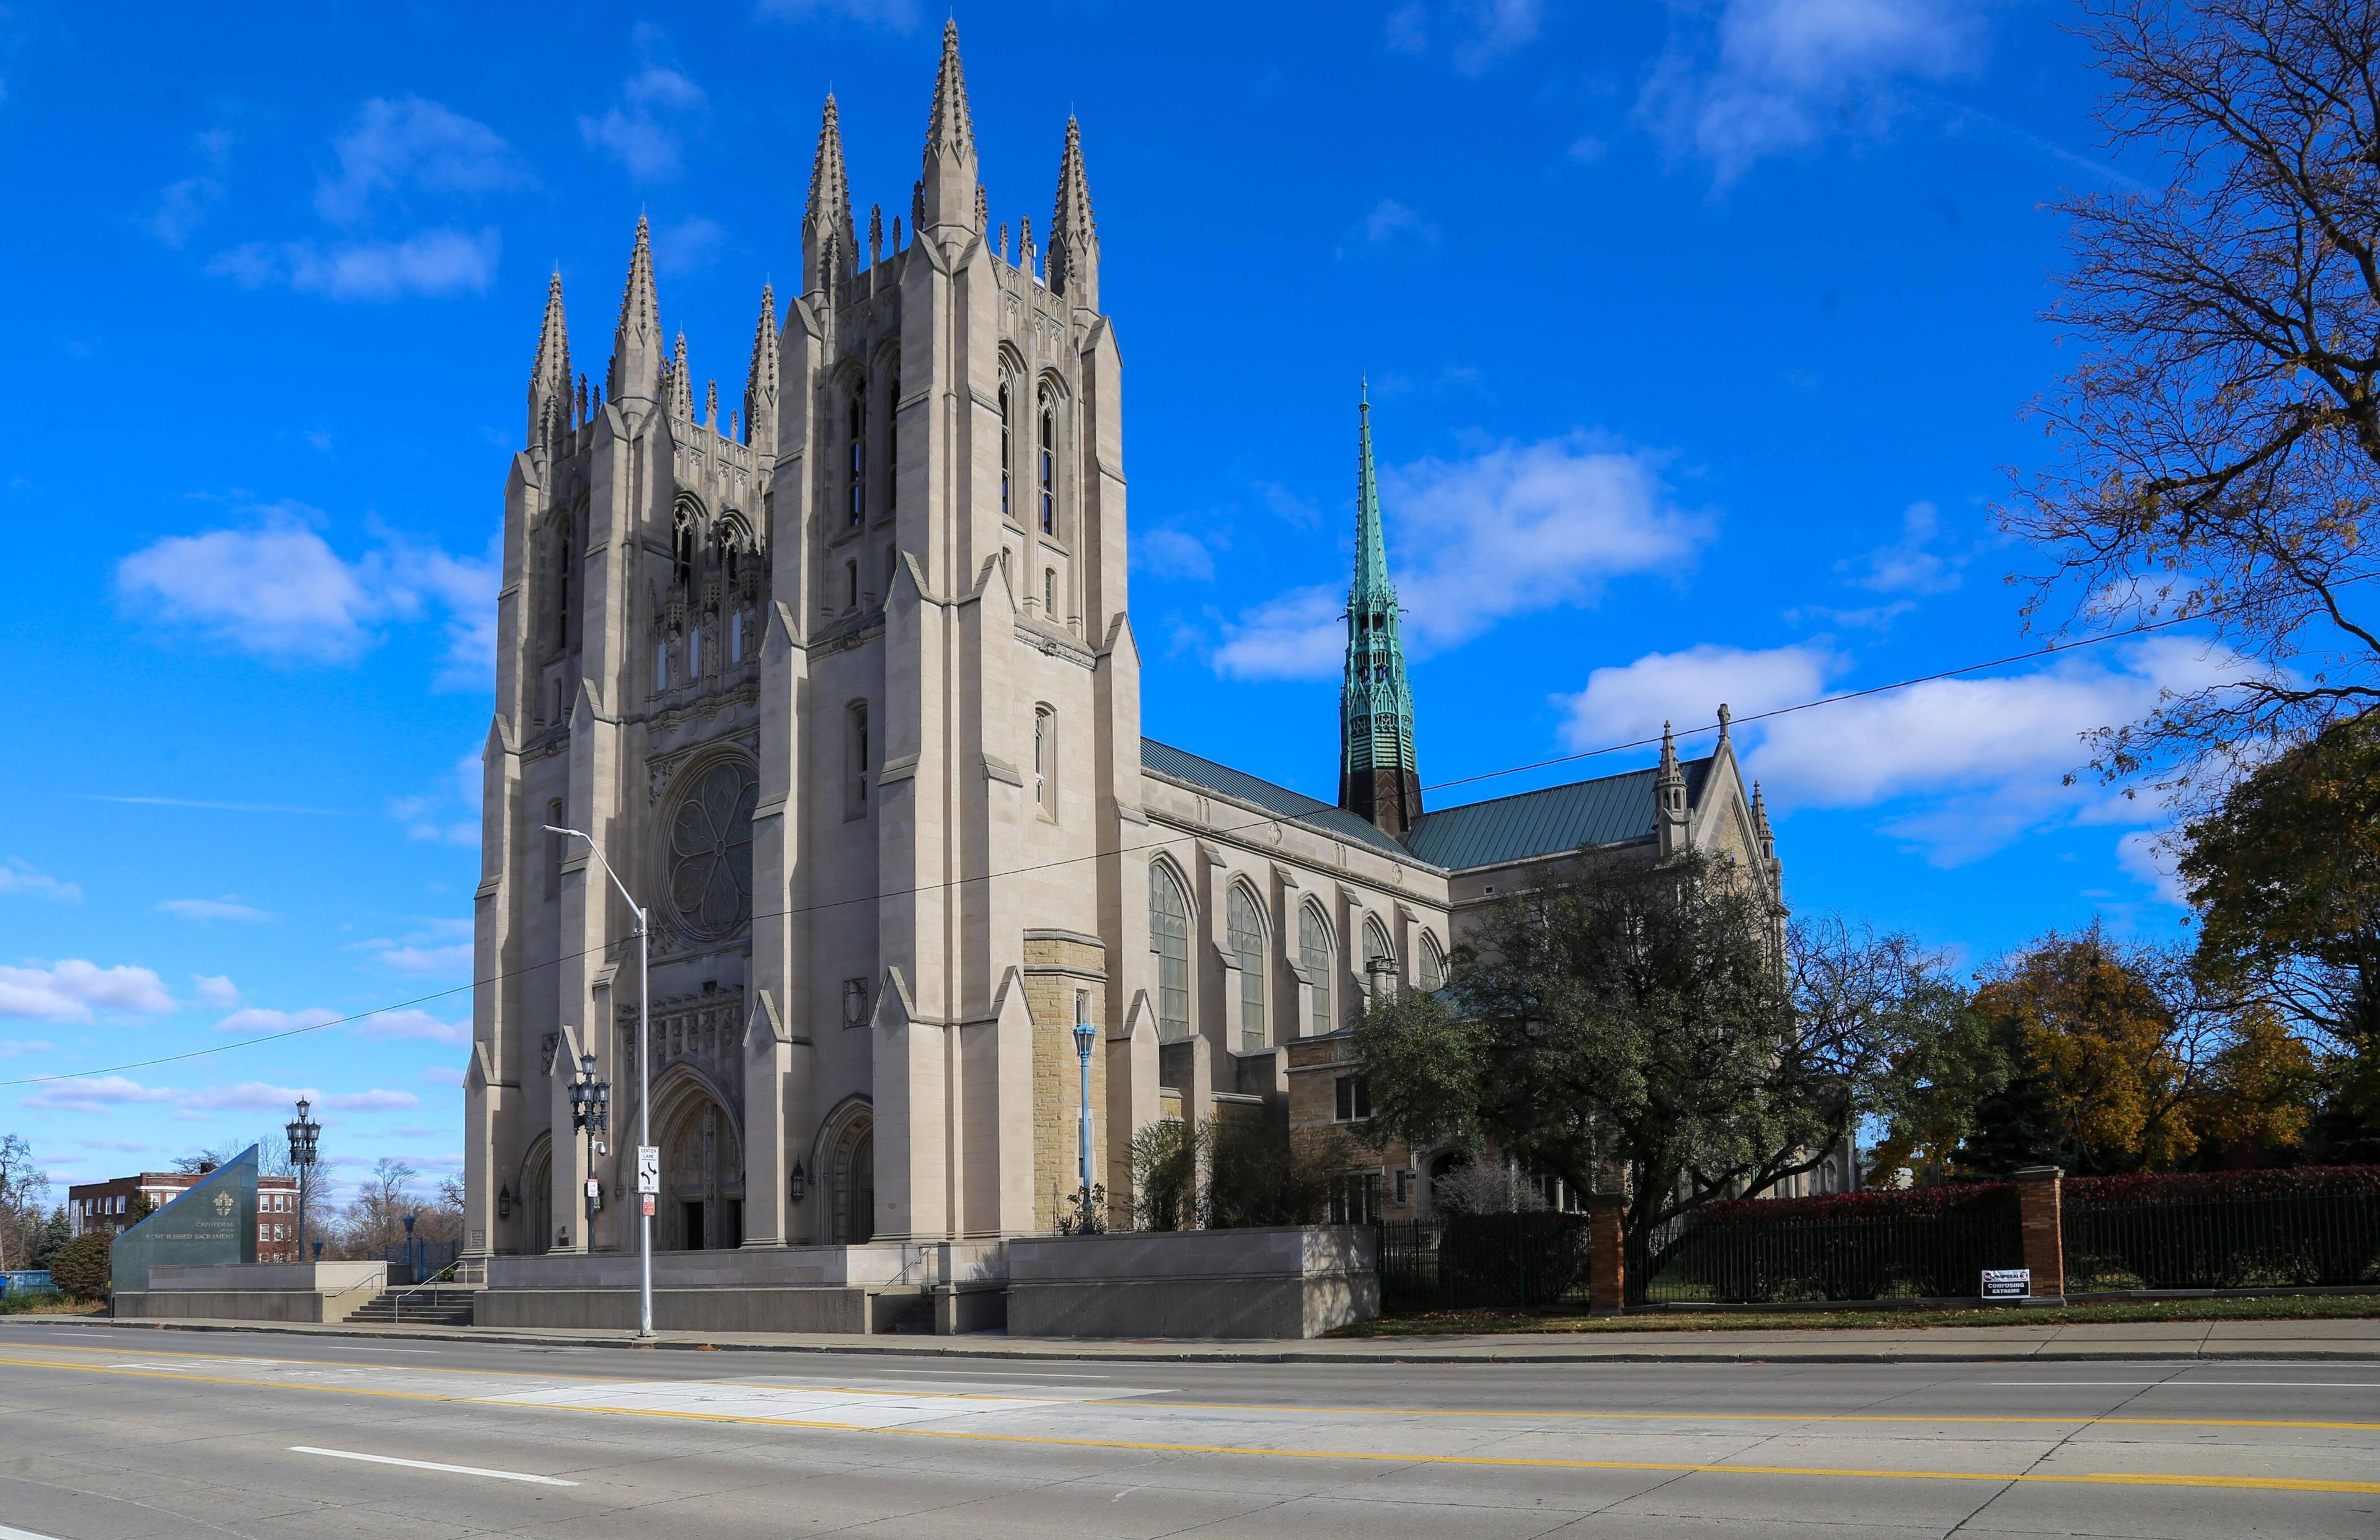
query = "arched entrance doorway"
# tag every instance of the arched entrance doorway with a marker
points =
(701, 1202)
(848, 1160)
(535, 1196)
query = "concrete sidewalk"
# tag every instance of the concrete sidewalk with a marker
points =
(2140, 1342)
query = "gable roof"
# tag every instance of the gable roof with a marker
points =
(1323, 817)
(1554, 820)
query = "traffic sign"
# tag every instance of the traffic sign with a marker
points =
(648, 1169)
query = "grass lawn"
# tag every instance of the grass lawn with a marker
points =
(2275, 1307)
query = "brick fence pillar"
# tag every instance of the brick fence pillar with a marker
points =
(2041, 1219)
(1607, 1264)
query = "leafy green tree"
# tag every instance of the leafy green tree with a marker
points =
(1947, 1088)
(2285, 875)
(82, 1266)
(1657, 1022)
(55, 1233)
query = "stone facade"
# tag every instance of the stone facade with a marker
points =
(845, 688)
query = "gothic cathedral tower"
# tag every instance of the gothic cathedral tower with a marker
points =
(1378, 777)
(843, 689)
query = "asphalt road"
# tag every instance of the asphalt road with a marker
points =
(125, 1435)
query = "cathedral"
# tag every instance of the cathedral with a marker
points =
(845, 687)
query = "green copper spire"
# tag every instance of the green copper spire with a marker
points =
(1378, 778)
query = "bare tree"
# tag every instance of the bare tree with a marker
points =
(2219, 442)
(24, 1195)
(374, 1218)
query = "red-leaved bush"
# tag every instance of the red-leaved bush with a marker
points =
(2199, 1186)
(1886, 1203)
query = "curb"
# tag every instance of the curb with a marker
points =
(862, 1345)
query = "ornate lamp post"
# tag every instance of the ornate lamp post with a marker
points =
(302, 1133)
(1085, 1034)
(590, 1108)
(648, 1157)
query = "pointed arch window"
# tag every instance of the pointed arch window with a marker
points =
(1433, 963)
(1245, 926)
(1045, 760)
(562, 582)
(856, 431)
(1048, 463)
(1007, 452)
(1313, 961)
(1168, 938)
(1379, 964)
(893, 441)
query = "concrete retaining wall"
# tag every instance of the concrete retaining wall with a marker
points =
(805, 1310)
(1259, 1284)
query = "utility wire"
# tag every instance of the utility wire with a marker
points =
(1123, 850)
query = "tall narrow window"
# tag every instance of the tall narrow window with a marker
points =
(855, 759)
(1007, 452)
(1045, 760)
(851, 581)
(562, 584)
(1168, 938)
(1050, 593)
(856, 431)
(892, 441)
(1433, 963)
(553, 851)
(1379, 964)
(561, 701)
(1247, 950)
(1313, 961)
(735, 638)
(1048, 466)
(694, 654)
(660, 667)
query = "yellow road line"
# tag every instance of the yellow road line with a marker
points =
(1925, 1419)
(2084, 1478)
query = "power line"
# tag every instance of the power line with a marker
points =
(2052, 649)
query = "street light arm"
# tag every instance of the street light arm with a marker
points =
(597, 850)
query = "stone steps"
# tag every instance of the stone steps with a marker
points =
(420, 1308)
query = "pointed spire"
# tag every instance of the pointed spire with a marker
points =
(549, 377)
(637, 343)
(1725, 716)
(1074, 237)
(760, 382)
(1670, 796)
(681, 396)
(875, 233)
(1003, 240)
(1025, 245)
(1379, 777)
(1760, 829)
(711, 407)
(982, 206)
(826, 224)
(950, 180)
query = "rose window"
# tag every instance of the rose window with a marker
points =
(710, 850)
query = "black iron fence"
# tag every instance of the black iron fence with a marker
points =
(1775, 1252)
(1483, 1261)
(2264, 1240)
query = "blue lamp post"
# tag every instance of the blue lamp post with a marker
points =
(1083, 1036)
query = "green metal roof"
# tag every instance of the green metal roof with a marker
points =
(1323, 817)
(1553, 821)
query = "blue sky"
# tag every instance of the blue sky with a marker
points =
(1698, 336)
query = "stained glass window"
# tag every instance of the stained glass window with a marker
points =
(710, 850)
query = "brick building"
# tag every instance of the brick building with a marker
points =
(106, 1206)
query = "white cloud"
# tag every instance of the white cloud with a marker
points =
(126, 1146)
(72, 989)
(369, 1101)
(414, 1025)
(395, 144)
(217, 990)
(438, 1074)
(94, 1094)
(689, 246)
(20, 878)
(441, 946)
(1513, 529)
(256, 1095)
(182, 208)
(2144, 853)
(1771, 77)
(17, 1047)
(1172, 553)
(256, 1021)
(646, 132)
(278, 590)
(898, 15)
(1909, 564)
(448, 815)
(1391, 221)
(1490, 29)
(224, 908)
(428, 262)
(1978, 763)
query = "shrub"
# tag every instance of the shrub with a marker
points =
(80, 1267)
(2200, 1186)
(1879, 1202)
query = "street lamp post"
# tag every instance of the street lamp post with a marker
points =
(303, 1133)
(590, 1108)
(644, 1088)
(1083, 1036)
